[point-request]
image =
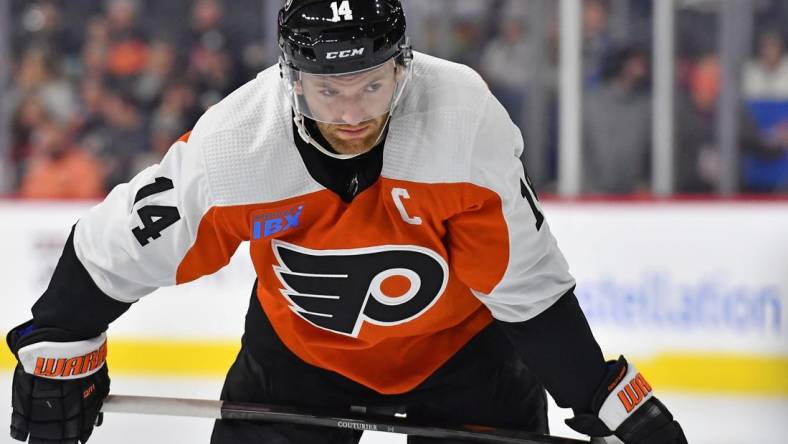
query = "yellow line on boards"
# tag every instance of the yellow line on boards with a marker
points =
(170, 358)
(712, 373)
(7, 359)
(717, 373)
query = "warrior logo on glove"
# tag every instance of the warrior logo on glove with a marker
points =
(634, 392)
(337, 290)
(77, 366)
(64, 360)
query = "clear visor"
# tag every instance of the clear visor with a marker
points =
(348, 98)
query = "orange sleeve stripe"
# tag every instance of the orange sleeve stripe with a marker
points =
(185, 137)
(480, 236)
(213, 248)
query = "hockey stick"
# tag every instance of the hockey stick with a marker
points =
(200, 408)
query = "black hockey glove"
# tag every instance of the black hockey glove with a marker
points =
(624, 405)
(60, 382)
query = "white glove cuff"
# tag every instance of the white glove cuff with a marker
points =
(64, 360)
(627, 396)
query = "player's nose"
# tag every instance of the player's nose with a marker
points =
(353, 114)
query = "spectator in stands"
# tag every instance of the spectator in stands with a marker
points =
(207, 21)
(128, 49)
(212, 56)
(33, 71)
(88, 122)
(230, 30)
(124, 136)
(178, 105)
(507, 63)
(766, 77)
(698, 159)
(597, 41)
(39, 74)
(617, 126)
(94, 60)
(94, 53)
(59, 169)
(29, 115)
(469, 30)
(159, 67)
(42, 95)
(766, 89)
(208, 32)
(175, 115)
(213, 77)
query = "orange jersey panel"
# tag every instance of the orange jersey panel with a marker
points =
(390, 355)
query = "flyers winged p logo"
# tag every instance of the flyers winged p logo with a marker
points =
(339, 290)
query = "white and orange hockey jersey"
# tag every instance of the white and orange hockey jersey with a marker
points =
(449, 237)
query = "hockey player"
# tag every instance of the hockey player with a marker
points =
(403, 260)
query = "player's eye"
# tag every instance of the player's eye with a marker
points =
(326, 92)
(373, 87)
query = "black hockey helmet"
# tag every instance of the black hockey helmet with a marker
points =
(342, 36)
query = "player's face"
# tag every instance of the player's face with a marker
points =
(351, 110)
(349, 99)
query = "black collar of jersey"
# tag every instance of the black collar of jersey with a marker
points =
(345, 177)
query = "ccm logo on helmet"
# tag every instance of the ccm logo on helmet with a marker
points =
(346, 54)
(340, 290)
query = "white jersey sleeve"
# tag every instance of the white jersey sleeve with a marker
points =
(134, 241)
(536, 274)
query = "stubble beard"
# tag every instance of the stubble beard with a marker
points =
(353, 146)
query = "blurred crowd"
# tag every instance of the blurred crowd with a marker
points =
(102, 88)
(515, 44)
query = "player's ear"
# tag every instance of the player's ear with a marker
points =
(399, 72)
(298, 87)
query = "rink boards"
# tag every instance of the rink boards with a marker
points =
(694, 292)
